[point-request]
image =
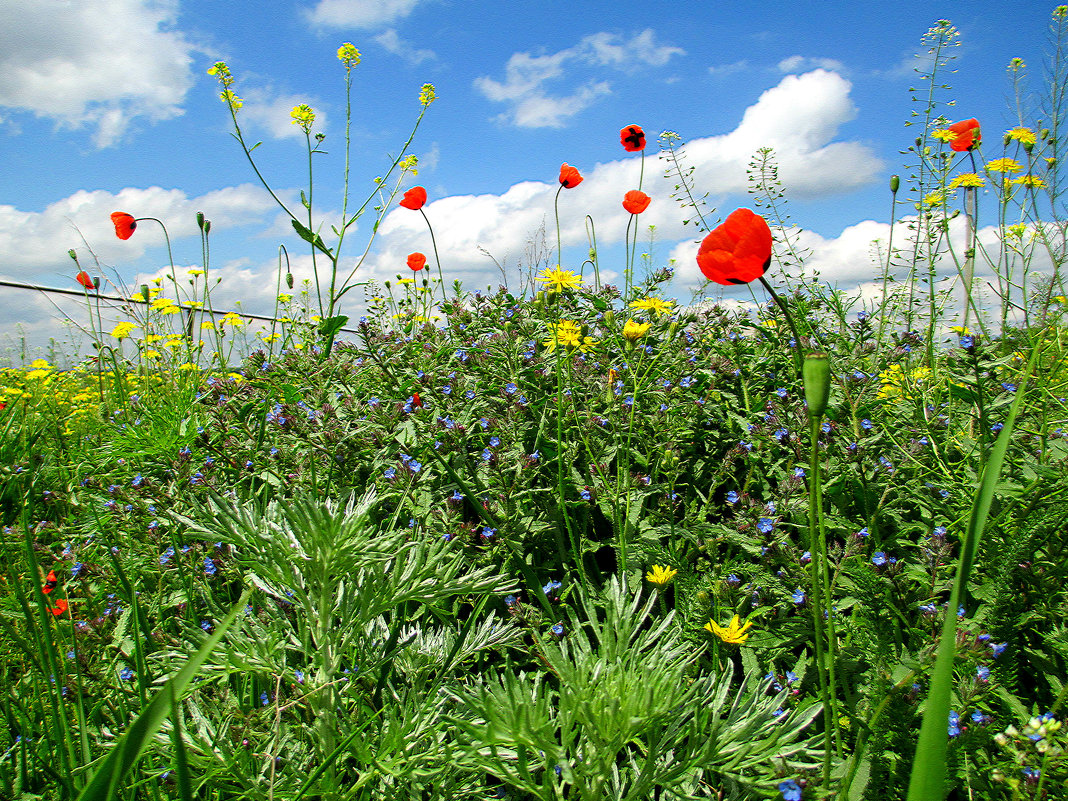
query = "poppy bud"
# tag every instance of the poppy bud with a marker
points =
(1044, 133)
(610, 318)
(144, 292)
(816, 374)
(200, 220)
(73, 255)
(207, 226)
(289, 280)
(895, 183)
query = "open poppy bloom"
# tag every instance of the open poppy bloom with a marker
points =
(60, 607)
(414, 198)
(51, 582)
(416, 261)
(84, 279)
(968, 135)
(737, 252)
(125, 224)
(569, 176)
(632, 138)
(636, 201)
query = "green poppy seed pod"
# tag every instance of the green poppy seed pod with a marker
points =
(96, 282)
(895, 183)
(289, 280)
(388, 285)
(144, 292)
(207, 226)
(816, 373)
(200, 220)
(73, 255)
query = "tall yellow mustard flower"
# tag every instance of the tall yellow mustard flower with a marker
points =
(558, 279)
(348, 55)
(734, 634)
(303, 116)
(427, 95)
(1003, 165)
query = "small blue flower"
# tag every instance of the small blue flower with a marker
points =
(954, 724)
(791, 790)
(126, 674)
(765, 525)
(166, 556)
(510, 388)
(967, 342)
(799, 596)
(209, 566)
(997, 648)
(879, 559)
(732, 497)
(866, 424)
(391, 472)
(264, 698)
(982, 673)
(557, 629)
(550, 588)
(206, 625)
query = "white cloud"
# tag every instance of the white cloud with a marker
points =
(359, 13)
(272, 113)
(729, 69)
(392, 43)
(95, 63)
(523, 87)
(796, 64)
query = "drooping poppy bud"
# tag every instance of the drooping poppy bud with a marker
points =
(569, 176)
(737, 252)
(84, 279)
(414, 198)
(416, 262)
(636, 201)
(125, 224)
(967, 135)
(632, 138)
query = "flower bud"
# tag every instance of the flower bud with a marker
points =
(73, 255)
(609, 318)
(816, 374)
(144, 293)
(200, 220)
(895, 183)
(289, 280)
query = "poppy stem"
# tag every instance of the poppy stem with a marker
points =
(434, 244)
(556, 214)
(789, 321)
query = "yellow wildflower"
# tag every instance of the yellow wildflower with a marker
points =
(188, 366)
(194, 273)
(1025, 136)
(961, 330)
(232, 319)
(405, 281)
(271, 337)
(559, 279)
(161, 303)
(634, 331)
(284, 298)
(966, 179)
(153, 338)
(427, 95)
(123, 329)
(943, 135)
(656, 305)
(934, 199)
(568, 335)
(660, 576)
(41, 364)
(1016, 231)
(1003, 165)
(1032, 181)
(303, 116)
(231, 99)
(208, 325)
(734, 634)
(151, 354)
(348, 55)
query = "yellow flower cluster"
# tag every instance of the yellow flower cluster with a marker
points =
(1003, 165)
(427, 95)
(1025, 136)
(633, 331)
(567, 334)
(348, 55)
(226, 80)
(895, 383)
(303, 116)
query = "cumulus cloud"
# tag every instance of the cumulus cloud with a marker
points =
(272, 113)
(362, 14)
(392, 43)
(524, 90)
(93, 63)
(33, 245)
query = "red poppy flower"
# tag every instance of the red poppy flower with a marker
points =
(125, 224)
(84, 279)
(414, 198)
(60, 607)
(51, 582)
(636, 201)
(417, 402)
(737, 252)
(569, 176)
(416, 261)
(968, 135)
(632, 138)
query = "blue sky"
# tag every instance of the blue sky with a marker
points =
(107, 106)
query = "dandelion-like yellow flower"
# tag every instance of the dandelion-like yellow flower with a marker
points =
(961, 330)
(303, 116)
(1003, 165)
(568, 335)
(232, 319)
(634, 331)
(123, 329)
(41, 364)
(194, 272)
(734, 634)
(558, 279)
(1025, 136)
(151, 354)
(656, 305)
(285, 298)
(1032, 181)
(427, 95)
(660, 576)
(188, 367)
(934, 199)
(271, 337)
(966, 179)
(348, 55)
(207, 325)
(943, 135)
(162, 303)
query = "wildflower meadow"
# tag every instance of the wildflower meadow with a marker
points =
(567, 539)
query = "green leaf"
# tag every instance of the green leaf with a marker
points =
(331, 325)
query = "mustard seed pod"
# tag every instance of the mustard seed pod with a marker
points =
(895, 183)
(816, 374)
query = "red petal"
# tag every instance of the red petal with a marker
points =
(632, 138)
(416, 262)
(569, 176)
(84, 279)
(125, 224)
(60, 607)
(737, 252)
(635, 201)
(414, 198)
